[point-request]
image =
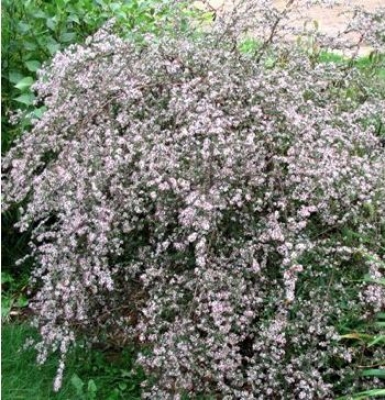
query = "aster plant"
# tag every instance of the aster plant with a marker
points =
(218, 206)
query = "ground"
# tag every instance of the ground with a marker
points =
(330, 20)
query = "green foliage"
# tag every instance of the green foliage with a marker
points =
(88, 393)
(369, 337)
(105, 374)
(34, 30)
(367, 394)
(13, 296)
(14, 245)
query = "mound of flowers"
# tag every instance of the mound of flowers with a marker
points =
(213, 204)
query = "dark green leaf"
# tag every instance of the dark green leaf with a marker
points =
(381, 315)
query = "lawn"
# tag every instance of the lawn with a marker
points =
(100, 374)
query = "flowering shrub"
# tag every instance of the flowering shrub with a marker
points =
(214, 204)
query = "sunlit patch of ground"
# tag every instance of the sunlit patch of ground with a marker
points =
(330, 20)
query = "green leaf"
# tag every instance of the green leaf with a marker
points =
(270, 62)
(33, 65)
(364, 395)
(67, 37)
(125, 374)
(92, 386)
(29, 46)
(24, 83)
(51, 23)
(23, 27)
(377, 339)
(115, 6)
(39, 14)
(15, 77)
(74, 18)
(38, 112)
(379, 281)
(115, 395)
(53, 48)
(26, 98)
(378, 373)
(6, 277)
(6, 305)
(101, 3)
(22, 302)
(77, 383)
(61, 3)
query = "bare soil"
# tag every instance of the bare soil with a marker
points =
(330, 20)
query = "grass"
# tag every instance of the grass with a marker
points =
(98, 374)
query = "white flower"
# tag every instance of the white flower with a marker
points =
(192, 237)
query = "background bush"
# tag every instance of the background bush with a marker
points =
(34, 30)
(216, 205)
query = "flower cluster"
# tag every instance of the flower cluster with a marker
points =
(200, 199)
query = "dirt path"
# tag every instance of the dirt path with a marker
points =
(329, 20)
